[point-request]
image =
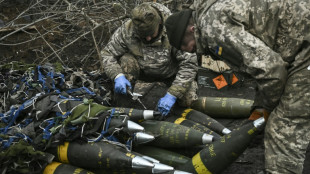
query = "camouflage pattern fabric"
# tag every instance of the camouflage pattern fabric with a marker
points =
(131, 69)
(156, 59)
(268, 39)
(287, 131)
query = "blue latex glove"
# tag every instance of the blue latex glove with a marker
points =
(165, 104)
(121, 84)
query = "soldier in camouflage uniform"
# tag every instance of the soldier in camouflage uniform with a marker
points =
(269, 40)
(139, 50)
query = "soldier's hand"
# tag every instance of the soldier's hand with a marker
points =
(259, 112)
(165, 104)
(121, 84)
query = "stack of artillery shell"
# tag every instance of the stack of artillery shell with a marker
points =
(203, 119)
(98, 155)
(218, 107)
(60, 168)
(216, 157)
(173, 135)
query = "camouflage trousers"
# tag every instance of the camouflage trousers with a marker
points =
(132, 72)
(287, 132)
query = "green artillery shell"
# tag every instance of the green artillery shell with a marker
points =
(136, 171)
(218, 107)
(169, 170)
(164, 156)
(97, 155)
(203, 119)
(191, 124)
(216, 157)
(172, 135)
(60, 168)
(158, 168)
(138, 115)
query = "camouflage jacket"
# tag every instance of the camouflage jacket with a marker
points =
(156, 59)
(257, 37)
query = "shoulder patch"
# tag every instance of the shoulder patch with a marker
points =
(219, 50)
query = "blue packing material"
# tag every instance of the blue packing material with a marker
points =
(7, 143)
(12, 120)
(46, 133)
(25, 123)
(105, 130)
(24, 137)
(80, 89)
(129, 142)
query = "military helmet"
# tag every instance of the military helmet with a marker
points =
(145, 19)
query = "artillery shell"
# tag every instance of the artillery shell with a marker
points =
(220, 107)
(203, 119)
(138, 114)
(98, 155)
(164, 156)
(216, 157)
(192, 124)
(172, 135)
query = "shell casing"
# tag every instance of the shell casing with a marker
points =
(192, 124)
(172, 135)
(60, 168)
(221, 107)
(217, 156)
(137, 115)
(201, 118)
(93, 155)
(158, 168)
(164, 156)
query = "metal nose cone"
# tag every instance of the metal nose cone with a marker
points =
(180, 172)
(134, 127)
(226, 131)
(206, 138)
(259, 122)
(148, 114)
(161, 168)
(139, 163)
(141, 137)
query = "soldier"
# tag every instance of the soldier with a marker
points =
(270, 41)
(139, 50)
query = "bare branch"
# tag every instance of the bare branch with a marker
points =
(84, 34)
(50, 46)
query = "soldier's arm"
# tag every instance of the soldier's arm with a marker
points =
(240, 48)
(188, 67)
(115, 48)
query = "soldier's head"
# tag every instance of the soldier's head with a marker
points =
(180, 30)
(147, 21)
